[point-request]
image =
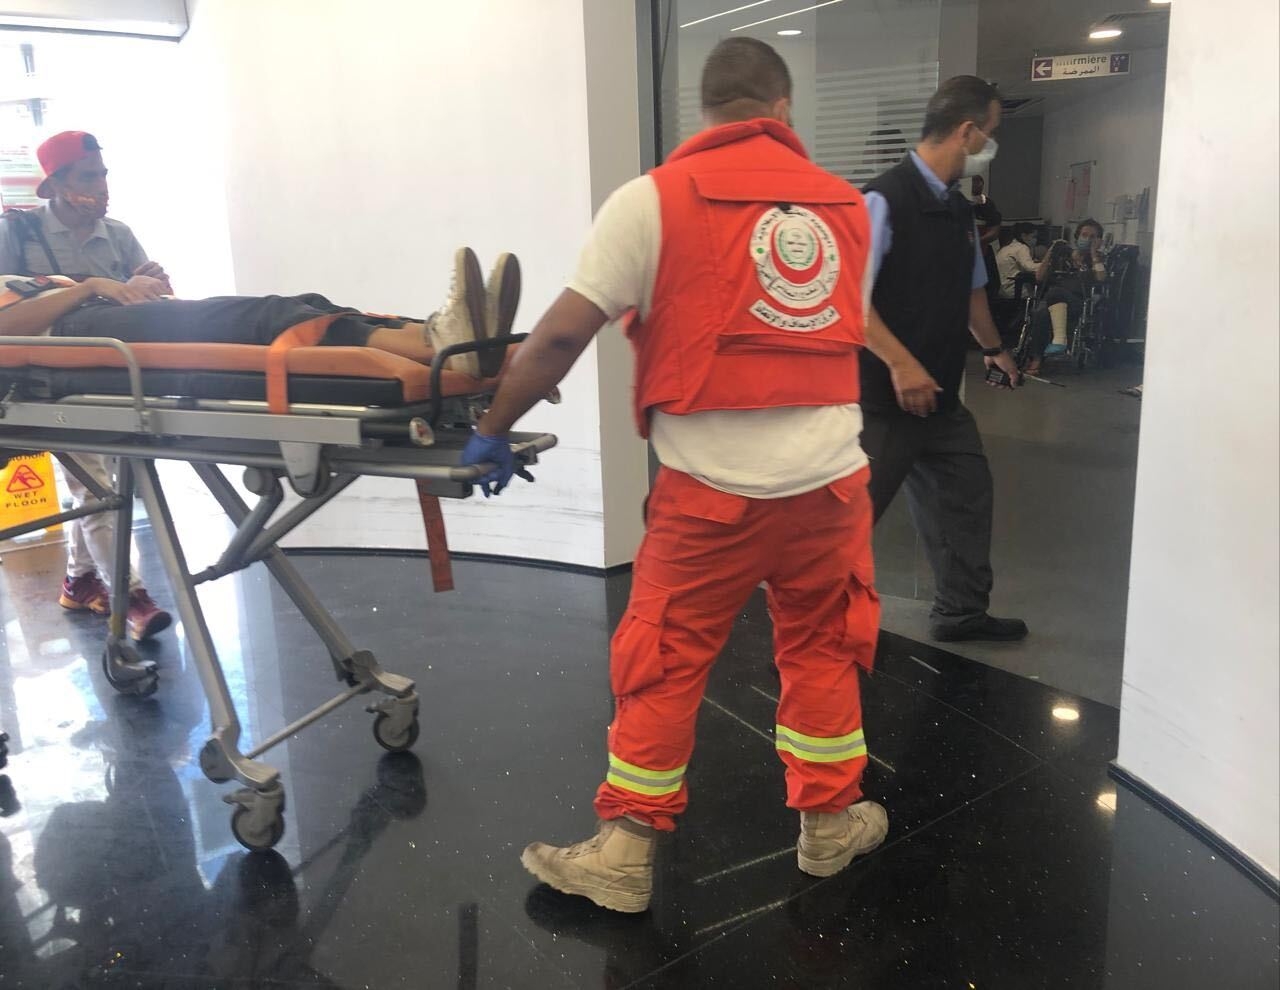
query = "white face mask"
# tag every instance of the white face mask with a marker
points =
(977, 164)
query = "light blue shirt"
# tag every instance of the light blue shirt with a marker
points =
(882, 230)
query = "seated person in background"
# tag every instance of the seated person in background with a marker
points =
(1069, 272)
(1016, 257)
(135, 312)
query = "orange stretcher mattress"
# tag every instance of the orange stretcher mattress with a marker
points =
(405, 380)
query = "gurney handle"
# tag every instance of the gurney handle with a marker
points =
(526, 450)
(131, 362)
(467, 347)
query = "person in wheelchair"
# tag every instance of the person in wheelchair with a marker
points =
(1067, 274)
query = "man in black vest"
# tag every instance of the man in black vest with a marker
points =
(930, 293)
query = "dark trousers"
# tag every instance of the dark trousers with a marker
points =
(220, 320)
(949, 492)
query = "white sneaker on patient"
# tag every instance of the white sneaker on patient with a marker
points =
(461, 319)
(503, 298)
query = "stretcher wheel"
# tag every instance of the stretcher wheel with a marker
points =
(256, 841)
(398, 742)
(127, 672)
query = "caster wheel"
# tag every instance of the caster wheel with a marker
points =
(256, 841)
(138, 679)
(398, 743)
(212, 765)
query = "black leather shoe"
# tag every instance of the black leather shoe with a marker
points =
(981, 627)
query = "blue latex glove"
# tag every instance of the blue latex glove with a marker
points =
(481, 449)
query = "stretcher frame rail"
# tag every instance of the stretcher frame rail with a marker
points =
(321, 451)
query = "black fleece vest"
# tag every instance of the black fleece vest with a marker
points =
(923, 287)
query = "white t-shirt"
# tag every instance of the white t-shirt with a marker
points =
(759, 453)
(1014, 257)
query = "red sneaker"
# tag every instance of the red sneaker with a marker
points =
(145, 618)
(85, 593)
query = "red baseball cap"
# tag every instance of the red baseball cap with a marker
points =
(60, 151)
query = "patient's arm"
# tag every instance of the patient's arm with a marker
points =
(543, 360)
(34, 316)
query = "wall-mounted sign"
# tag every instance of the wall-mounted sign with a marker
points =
(1084, 66)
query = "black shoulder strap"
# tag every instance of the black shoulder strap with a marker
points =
(30, 228)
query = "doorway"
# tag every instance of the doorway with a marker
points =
(1078, 142)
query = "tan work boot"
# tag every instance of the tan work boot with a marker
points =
(502, 298)
(614, 868)
(829, 842)
(461, 319)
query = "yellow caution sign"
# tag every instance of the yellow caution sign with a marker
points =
(28, 490)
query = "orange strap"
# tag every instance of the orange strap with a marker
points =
(305, 334)
(437, 540)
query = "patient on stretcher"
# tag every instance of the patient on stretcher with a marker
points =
(100, 307)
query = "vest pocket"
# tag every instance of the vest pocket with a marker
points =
(635, 652)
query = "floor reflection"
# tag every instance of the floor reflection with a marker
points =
(1012, 860)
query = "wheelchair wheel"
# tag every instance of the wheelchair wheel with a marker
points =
(1022, 349)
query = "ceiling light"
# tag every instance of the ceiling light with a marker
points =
(790, 13)
(1065, 713)
(724, 13)
(1103, 33)
(1107, 801)
(789, 33)
(1160, 1)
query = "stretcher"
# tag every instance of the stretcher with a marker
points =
(316, 417)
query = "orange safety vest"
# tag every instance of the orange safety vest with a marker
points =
(757, 301)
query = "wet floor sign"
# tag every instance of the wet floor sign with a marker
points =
(28, 490)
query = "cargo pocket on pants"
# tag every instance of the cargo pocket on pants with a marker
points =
(862, 616)
(635, 653)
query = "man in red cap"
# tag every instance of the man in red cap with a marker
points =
(72, 236)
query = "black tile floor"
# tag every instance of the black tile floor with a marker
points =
(1011, 862)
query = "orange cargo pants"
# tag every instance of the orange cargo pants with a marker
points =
(703, 554)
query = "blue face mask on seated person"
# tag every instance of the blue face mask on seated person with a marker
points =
(1084, 244)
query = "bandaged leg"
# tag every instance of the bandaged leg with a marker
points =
(1058, 317)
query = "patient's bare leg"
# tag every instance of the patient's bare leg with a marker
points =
(409, 341)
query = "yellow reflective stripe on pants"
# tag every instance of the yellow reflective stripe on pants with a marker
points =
(655, 783)
(817, 749)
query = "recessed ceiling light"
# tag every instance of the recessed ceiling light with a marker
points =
(1107, 801)
(790, 33)
(1160, 1)
(1103, 33)
(1065, 713)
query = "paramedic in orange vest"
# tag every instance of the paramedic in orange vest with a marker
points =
(742, 266)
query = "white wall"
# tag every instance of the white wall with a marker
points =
(1119, 126)
(1201, 698)
(615, 134)
(363, 142)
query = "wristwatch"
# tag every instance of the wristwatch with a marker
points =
(992, 351)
